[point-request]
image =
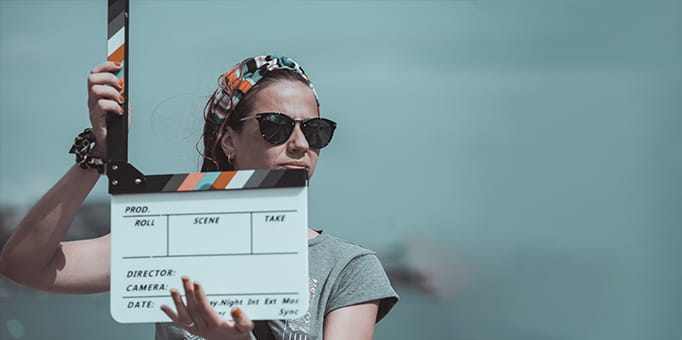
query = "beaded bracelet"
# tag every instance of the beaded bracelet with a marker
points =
(82, 146)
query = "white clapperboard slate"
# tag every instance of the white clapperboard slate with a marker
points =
(241, 234)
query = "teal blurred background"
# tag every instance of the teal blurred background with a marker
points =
(524, 158)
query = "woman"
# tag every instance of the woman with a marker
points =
(264, 115)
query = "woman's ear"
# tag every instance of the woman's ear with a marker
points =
(227, 143)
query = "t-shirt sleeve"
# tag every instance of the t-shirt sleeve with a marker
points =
(363, 279)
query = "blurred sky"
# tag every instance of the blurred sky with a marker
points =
(537, 140)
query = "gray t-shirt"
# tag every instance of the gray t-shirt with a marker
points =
(341, 273)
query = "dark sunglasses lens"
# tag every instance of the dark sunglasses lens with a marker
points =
(275, 128)
(318, 132)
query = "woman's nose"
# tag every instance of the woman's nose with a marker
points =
(297, 140)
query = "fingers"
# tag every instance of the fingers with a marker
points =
(108, 66)
(194, 308)
(104, 94)
(183, 317)
(108, 105)
(104, 78)
(241, 322)
(209, 316)
(107, 92)
(172, 315)
(198, 317)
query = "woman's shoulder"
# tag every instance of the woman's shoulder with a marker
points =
(331, 244)
(333, 254)
(354, 273)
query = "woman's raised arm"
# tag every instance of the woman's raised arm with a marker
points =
(34, 255)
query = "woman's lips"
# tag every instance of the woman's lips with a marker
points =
(294, 165)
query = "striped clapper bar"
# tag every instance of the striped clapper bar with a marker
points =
(117, 43)
(241, 234)
(116, 34)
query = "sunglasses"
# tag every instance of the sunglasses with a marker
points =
(277, 127)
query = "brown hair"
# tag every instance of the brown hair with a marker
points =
(214, 158)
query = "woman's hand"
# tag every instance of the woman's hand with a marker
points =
(199, 318)
(104, 94)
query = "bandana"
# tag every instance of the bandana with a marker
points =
(240, 80)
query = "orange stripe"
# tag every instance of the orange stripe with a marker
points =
(232, 79)
(223, 180)
(237, 84)
(245, 86)
(217, 108)
(118, 54)
(190, 181)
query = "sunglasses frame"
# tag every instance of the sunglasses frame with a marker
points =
(293, 121)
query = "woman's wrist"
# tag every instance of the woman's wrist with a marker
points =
(100, 148)
(88, 172)
(85, 149)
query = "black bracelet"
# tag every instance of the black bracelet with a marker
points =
(82, 146)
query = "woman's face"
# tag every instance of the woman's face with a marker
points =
(247, 149)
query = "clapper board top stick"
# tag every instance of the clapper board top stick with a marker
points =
(208, 226)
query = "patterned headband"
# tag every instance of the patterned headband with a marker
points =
(240, 80)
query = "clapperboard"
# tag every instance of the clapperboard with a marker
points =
(241, 234)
